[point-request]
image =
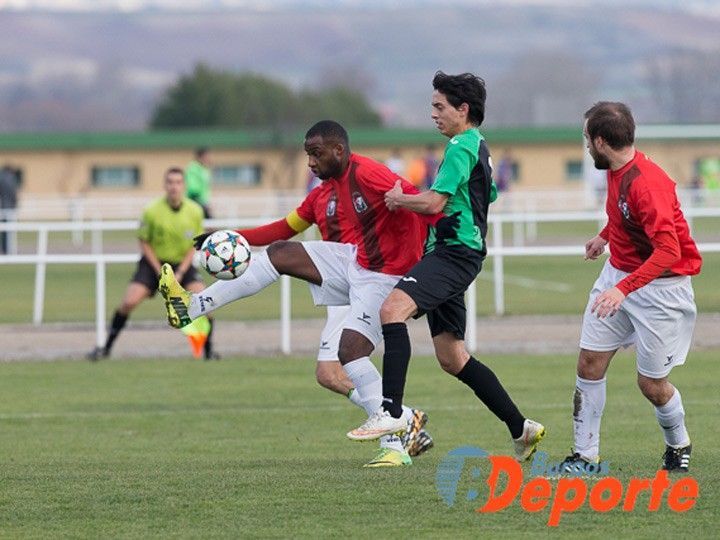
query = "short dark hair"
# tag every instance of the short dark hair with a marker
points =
(463, 88)
(329, 130)
(200, 151)
(613, 121)
(174, 170)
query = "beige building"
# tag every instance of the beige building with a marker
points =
(131, 164)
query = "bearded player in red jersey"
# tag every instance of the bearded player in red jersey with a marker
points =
(365, 251)
(643, 294)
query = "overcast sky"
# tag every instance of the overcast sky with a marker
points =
(132, 5)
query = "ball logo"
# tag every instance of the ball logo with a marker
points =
(359, 203)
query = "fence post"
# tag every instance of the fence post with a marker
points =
(498, 278)
(100, 302)
(11, 235)
(285, 308)
(96, 238)
(518, 233)
(40, 269)
(531, 225)
(76, 215)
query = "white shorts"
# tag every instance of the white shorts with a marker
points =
(346, 283)
(330, 335)
(659, 318)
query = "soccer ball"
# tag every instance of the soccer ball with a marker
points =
(224, 255)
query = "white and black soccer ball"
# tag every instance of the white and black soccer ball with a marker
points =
(224, 254)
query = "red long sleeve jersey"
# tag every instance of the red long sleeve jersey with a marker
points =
(352, 209)
(644, 221)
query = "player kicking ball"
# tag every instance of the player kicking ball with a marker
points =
(366, 250)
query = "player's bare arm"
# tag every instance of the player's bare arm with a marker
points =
(595, 247)
(428, 202)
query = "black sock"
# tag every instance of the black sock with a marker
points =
(208, 341)
(487, 387)
(395, 366)
(117, 324)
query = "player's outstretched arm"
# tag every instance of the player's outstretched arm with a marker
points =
(282, 229)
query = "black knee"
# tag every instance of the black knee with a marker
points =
(276, 252)
(353, 345)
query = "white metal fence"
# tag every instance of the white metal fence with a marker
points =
(263, 205)
(524, 226)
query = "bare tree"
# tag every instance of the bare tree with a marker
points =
(685, 86)
(541, 88)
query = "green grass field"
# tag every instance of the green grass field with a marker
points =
(253, 448)
(534, 285)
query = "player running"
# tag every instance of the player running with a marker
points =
(643, 294)
(454, 253)
(366, 250)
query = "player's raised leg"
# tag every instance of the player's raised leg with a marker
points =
(282, 257)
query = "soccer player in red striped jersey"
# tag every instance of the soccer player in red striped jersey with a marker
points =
(366, 251)
(643, 294)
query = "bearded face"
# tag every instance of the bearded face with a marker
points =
(600, 160)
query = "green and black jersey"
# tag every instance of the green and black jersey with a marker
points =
(466, 176)
(170, 231)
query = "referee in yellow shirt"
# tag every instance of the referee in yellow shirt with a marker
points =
(166, 233)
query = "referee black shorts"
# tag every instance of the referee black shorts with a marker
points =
(145, 275)
(437, 285)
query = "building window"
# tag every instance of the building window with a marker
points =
(237, 175)
(115, 176)
(574, 170)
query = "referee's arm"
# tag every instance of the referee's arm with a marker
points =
(149, 253)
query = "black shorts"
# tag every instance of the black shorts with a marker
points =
(145, 275)
(437, 285)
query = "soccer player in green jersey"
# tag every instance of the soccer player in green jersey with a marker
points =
(454, 252)
(166, 233)
(198, 179)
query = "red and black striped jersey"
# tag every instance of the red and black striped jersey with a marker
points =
(641, 203)
(351, 209)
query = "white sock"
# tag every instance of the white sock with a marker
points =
(671, 418)
(354, 397)
(407, 413)
(258, 275)
(368, 383)
(391, 441)
(588, 402)
(368, 388)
